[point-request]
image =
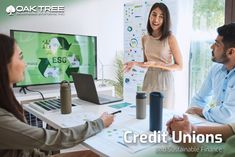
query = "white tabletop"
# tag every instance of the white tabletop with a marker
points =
(107, 143)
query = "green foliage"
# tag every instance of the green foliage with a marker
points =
(207, 16)
(209, 11)
(118, 82)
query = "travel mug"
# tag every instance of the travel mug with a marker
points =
(141, 105)
(65, 97)
(155, 116)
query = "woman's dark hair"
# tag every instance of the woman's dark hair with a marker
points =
(165, 29)
(7, 98)
(228, 34)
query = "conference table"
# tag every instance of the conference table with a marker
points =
(109, 142)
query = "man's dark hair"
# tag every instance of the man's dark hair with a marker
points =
(228, 34)
(165, 30)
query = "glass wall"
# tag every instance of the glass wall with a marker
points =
(207, 16)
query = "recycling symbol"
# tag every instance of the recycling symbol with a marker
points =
(48, 70)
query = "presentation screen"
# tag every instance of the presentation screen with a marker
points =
(51, 57)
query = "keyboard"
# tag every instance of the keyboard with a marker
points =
(103, 99)
(49, 105)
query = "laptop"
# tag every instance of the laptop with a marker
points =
(86, 90)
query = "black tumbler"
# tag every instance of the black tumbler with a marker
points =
(155, 116)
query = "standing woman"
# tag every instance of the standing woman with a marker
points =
(18, 139)
(161, 55)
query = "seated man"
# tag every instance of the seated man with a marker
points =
(183, 124)
(220, 82)
(226, 130)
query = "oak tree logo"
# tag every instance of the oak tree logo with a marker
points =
(10, 10)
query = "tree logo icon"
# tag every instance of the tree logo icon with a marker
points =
(10, 10)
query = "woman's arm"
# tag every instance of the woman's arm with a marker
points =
(178, 63)
(129, 65)
(15, 134)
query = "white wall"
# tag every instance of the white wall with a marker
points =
(102, 18)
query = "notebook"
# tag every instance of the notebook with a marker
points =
(86, 90)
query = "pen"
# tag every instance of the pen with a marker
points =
(119, 111)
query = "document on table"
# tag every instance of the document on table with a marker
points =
(116, 136)
(73, 119)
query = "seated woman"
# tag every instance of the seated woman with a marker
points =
(18, 139)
